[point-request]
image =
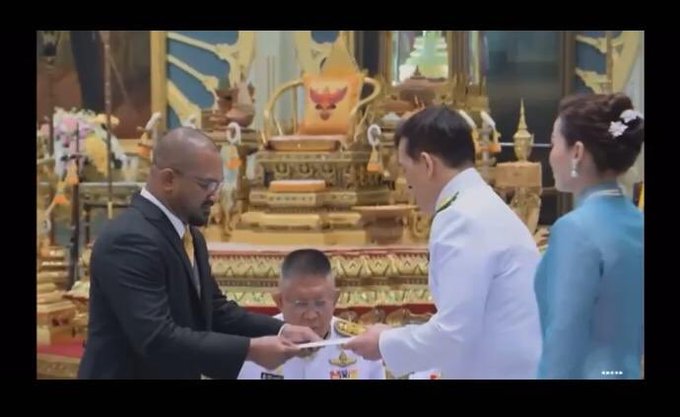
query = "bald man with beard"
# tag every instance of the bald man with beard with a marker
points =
(156, 312)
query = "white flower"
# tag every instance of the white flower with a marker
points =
(617, 128)
(630, 114)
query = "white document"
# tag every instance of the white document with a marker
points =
(323, 343)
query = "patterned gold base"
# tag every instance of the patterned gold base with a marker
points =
(56, 367)
(316, 238)
(368, 276)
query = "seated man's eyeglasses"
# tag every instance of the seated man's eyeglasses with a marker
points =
(305, 305)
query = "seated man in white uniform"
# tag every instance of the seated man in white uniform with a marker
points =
(307, 295)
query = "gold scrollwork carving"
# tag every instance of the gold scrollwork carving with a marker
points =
(527, 204)
(365, 278)
(349, 176)
(303, 171)
(239, 55)
(281, 171)
(181, 104)
(210, 83)
(327, 173)
(419, 224)
(309, 53)
(624, 50)
(58, 367)
(164, 92)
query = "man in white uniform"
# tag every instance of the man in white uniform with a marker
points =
(482, 264)
(307, 294)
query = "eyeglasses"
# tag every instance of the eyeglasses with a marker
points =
(307, 305)
(211, 186)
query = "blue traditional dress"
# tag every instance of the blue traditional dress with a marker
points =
(589, 287)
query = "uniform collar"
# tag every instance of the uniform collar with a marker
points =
(465, 179)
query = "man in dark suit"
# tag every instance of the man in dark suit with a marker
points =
(156, 312)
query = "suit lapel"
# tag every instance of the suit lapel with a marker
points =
(161, 221)
(204, 278)
(178, 246)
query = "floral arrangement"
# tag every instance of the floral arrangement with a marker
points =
(90, 130)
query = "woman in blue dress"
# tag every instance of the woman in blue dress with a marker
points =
(589, 284)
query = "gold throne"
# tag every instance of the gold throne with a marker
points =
(334, 113)
(312, 177)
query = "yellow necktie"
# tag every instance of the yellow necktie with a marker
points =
(188, 241)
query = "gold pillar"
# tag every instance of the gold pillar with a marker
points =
(385, 56)
(159, 97)
(608, 85)
(457, 45)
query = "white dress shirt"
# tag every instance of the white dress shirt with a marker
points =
(176, 222)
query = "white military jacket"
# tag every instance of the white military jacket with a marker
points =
(481, 274)
(330, 362)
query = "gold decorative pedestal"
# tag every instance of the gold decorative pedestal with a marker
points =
(389, 277)
(54, 316)
(53, 266)
(523, 177)
(79, 295)
(526, 181)
(51, 366)
(309, 198)
(523, 174)
(385, 224)
(312, 176)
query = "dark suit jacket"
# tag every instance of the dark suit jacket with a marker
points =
(146, 320)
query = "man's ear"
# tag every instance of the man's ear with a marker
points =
(427, 159)
(167, 178)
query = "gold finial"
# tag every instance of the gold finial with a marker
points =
(523, 139)
(522, 126)
(339, 61)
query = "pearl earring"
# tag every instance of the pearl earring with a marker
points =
(574, 174)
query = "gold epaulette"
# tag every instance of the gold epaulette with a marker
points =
(347, 328)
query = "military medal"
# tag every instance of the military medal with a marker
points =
(343, 360)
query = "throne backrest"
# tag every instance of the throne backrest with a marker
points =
(329, 101)
(331, 95)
